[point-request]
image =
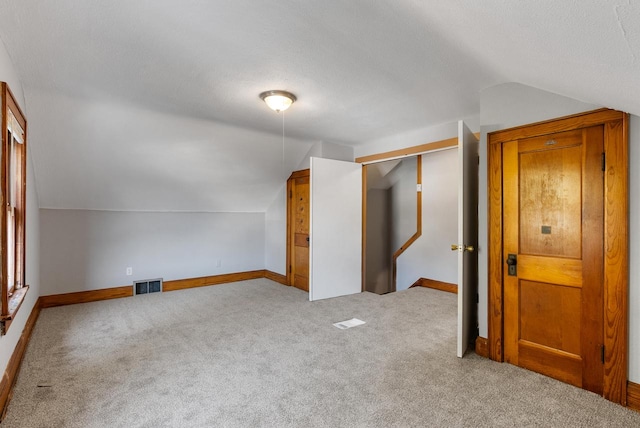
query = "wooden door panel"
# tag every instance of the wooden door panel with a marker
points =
(298, 229)
(550, 201)
(550, 315)
(301, 198)
(301, 261)
(553, 223)
(301, 234)
(558, 140)
(301, 240)
(301, 282)
(560, 271)
(301, 275)
(551, 362)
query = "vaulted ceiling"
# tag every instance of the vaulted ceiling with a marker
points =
(153, 104)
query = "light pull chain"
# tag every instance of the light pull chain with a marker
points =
(283, 165)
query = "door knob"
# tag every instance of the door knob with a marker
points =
(462, 248)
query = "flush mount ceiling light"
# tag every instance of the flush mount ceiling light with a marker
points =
(278, 100)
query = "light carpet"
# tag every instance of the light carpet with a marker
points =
(259, 354)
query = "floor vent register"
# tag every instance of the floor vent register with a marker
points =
(147, 286)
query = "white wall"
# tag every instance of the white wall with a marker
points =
(87, 250)
(430, 256)
(275, 225)
(9, 341)
(337, 151)
(314, 151)
(404, 205)
(326, 150)
(378, 262)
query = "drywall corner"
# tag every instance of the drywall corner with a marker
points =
(337, 151)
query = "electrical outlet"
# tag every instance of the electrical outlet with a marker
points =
(129, 271)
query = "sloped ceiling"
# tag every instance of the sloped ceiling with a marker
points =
(153, 105)
(383, 175)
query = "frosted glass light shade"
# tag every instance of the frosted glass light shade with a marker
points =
(278, 100)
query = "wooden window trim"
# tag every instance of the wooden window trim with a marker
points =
(616, 237)
(11, 304)
(409, 151)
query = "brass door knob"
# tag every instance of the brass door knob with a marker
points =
(462, 248)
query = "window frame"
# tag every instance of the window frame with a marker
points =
(12, 294)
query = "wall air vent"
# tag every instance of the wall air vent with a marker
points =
(147, 286)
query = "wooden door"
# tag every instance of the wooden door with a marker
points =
(467, 236)
(298, 230)
(553, 237)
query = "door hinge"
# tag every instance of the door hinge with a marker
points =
(290, 269)
(602, 353)
(604, 162)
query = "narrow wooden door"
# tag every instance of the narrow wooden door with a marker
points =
(553, 248)
(298, 233)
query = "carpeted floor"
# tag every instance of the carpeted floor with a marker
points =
(259, 354)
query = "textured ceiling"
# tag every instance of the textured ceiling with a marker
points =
(153, 105)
